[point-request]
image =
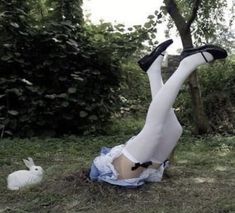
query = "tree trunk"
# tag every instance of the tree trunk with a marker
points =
(183, 26)
(201, 121)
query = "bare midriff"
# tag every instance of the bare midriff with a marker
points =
(124, 168)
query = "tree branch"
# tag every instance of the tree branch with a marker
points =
(194, 12)
(174, 12)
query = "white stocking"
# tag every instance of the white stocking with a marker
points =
(142, 148)
(172, 129)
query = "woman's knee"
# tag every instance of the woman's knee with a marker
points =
(178, 129)
(153, 130)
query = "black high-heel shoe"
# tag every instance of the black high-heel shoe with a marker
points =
(147, 60)
(216, 51)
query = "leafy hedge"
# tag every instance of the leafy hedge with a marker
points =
(61, 74)
(218, 83)
(53, 80)
(218, 93)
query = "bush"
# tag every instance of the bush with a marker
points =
(53, 80)
(61, 74)
(218, 93)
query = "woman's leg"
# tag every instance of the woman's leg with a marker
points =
(172, 129)
(142, 148)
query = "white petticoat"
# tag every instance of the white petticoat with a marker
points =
(102, 169)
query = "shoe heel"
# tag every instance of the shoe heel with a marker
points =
(143, 62)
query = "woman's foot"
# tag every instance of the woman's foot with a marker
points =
(147, 60)
(207, 53)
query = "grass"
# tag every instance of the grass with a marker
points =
(201, 178)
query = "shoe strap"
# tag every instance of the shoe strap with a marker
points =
(204, 57)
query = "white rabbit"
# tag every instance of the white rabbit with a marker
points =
(22, 178)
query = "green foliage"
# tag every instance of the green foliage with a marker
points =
(135, 90)
(218, 92)
(126, 45)
(210, 24)
(119, 41)
(183, 108)
(61, 75)
(53, 80)
(128, 124)
(68, 10)
(43, 11)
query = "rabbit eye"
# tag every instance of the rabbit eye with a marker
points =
(36, 169)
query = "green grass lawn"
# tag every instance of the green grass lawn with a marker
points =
(201, 179)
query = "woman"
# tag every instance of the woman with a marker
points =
(143, 158)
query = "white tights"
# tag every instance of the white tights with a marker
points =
(162, 130)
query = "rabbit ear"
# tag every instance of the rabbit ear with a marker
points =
(29, 163)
